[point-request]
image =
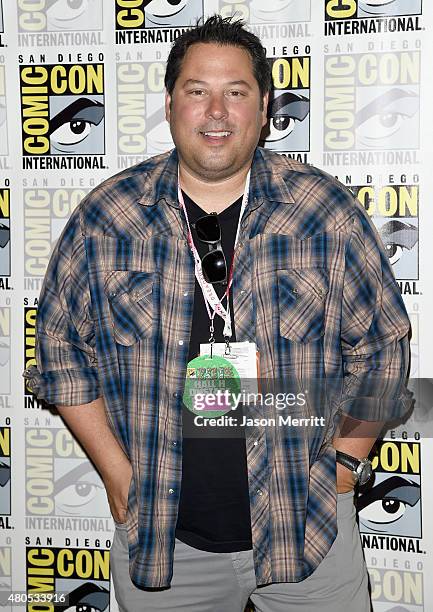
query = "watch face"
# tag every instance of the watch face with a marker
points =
(366, 473)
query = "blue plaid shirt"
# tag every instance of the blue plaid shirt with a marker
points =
(312, 287)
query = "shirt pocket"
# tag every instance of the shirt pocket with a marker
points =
(301, 303)
(130, 295)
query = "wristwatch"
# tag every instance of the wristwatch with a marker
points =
(361, 468)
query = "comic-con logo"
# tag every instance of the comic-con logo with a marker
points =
(141, 125)
(60, 480)
(394, 590)
(372, 101)
(82, 576)
(141, 21)
(5, 351)
(265, 12)
(5, 470)
(394, 211)
(62, 111)
(59, 15)
(3, 113)
(392, 504)
(5, 232)
(371, 16)
(46, 211)
(288, 126)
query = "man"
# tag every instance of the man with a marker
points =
(143, 275)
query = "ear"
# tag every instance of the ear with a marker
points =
(167, 106)
(265, 109)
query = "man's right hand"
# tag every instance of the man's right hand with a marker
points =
(117, 487)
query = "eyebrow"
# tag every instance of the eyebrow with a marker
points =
(189, 82)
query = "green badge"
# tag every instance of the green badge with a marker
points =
(210, 381)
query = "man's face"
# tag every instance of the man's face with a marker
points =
(216, 112)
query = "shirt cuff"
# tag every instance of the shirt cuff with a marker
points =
(64, 387)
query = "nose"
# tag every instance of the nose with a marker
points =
(217, 106)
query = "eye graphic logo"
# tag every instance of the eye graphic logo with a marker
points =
(60, 479)
(394, 211)
(5, 350)
(372, 101)
(76, 125)
(157, 13)
(59, 15)
(5, 232)
(352, 9)
(392, 505)
(288, 126)
(387, 118)
(62, 109)
(279, 11)
(5, 470)
(3, 113)
(82, 575)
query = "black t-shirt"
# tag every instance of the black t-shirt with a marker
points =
(214, 506)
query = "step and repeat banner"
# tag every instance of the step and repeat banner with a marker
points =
(81, 97)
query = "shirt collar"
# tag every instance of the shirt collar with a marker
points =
(266, 184)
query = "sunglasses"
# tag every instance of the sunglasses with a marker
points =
(213, 263)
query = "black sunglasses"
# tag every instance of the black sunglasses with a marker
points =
(214, 264)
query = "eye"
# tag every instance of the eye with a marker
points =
(72, 132)
(385, 116)
(394, 252)
(285, 111)
(78, 494)
(77, 488)
(75, 122)
(382, 125)
(165, 8)
(280, 127)
(387, 510)
(397, 237)
(65, 10)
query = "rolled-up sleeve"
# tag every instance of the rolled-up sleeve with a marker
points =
(65, 372)
(374, 332)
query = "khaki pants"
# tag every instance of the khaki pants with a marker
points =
(223, 582)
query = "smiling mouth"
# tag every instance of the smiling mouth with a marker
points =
(216, 134)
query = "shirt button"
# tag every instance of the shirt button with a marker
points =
(113, 294)
(176, 394)
(180, 342)
(243, 291)
(255, 442)
(171, 491)
(259, 492)
(185, 293)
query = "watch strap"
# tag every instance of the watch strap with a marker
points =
(347, 460)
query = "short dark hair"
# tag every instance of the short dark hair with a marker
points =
(221, 31)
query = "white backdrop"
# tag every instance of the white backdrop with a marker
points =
(81, 97)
